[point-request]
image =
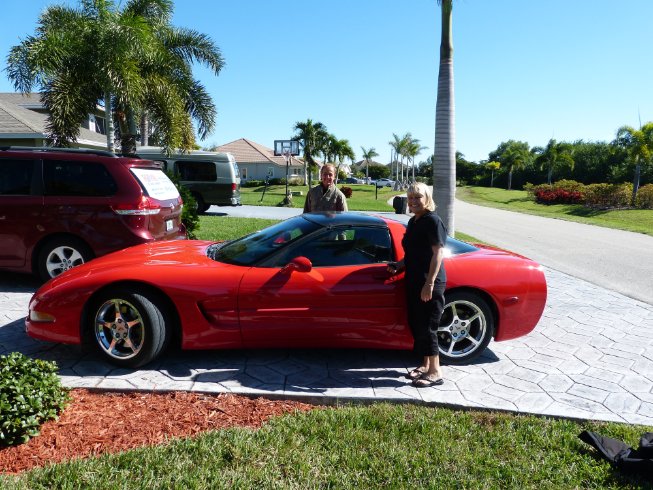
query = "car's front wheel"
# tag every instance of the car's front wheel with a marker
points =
(129, 327)
(466, 327)
(60, 254)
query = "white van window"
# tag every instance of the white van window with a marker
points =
(156, 183)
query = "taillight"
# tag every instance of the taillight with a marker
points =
(144, 207)
(234, 186)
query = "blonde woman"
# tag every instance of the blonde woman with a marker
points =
(425, 280)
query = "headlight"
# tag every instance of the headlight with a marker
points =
(37, 316)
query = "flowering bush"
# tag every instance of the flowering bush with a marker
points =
(558, 196)
(347, 191)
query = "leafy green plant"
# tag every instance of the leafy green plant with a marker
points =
(30, 394)
(189, 215)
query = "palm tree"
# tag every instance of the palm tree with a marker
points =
(367, 156)
(493, 166)
(343, 150)
(395, 146)
(554, 156)
(444, 168)
(131, 61)
(639, 145)
(310, 135)
(413, 148)
(515, 156)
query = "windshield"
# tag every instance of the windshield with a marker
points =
(255, 247)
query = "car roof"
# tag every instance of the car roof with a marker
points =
(344, 219)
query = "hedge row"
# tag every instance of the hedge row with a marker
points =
(602, 196)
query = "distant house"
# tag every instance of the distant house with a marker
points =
(23, 119)
(256, 162)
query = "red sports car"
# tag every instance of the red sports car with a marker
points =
(315, 280)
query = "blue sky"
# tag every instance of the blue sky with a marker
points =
(527, 70)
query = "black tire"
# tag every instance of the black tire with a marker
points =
(57, 255)
(466, 328)
(202, 207)
(129, 326)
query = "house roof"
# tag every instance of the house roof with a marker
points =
(25, 116)
(246, 151)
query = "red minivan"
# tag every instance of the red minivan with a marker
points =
(61, 207)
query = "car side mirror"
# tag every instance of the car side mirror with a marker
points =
(299, 264)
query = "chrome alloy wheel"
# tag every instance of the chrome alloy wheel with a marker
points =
(465, 329)
(119, 329)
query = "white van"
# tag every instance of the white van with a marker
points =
(212, 177)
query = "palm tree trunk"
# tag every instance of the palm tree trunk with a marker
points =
(444, 166)
(108, 116)
(638, 168)
(145, 129)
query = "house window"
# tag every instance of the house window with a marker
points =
(270, 171)
(243, 173)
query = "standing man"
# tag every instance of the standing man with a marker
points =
(325, 196)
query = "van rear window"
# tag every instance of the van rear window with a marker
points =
(156, 183)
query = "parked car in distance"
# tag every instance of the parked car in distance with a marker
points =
(384, 182)
(353, 180)
(318, 280)
(62, 207)
(212, 177)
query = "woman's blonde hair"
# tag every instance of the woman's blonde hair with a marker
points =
(424, 190)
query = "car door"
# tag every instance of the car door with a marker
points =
(21, 207)
(346, 299)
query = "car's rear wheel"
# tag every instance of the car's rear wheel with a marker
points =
(202, 207)
(466, 327)
(60, 254)
(129, 326)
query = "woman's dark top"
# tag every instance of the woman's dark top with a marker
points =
(420, 236)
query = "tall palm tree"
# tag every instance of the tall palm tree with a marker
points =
(343, 150)
(413, 148)
(516, 156)
(639, 145)
(130, 60)
(367, 156)
(310, 135)
(554, 156)
(444, 168)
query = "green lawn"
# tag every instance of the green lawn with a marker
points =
(374, 446)
(361, 447)
(636, 220)
(363, 198)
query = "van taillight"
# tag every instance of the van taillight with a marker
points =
(234, 186)
(144, 207)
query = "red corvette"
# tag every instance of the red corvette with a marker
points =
(315, 280)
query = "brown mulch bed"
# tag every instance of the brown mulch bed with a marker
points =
(98, 423)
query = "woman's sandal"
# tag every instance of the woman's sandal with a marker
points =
(426, 382)
(415, 374)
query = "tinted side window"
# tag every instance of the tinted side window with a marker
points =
(196, 171)
(64, 178)
(352, 246)
(16, 177)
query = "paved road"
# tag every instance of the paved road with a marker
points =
(617, 260)
(590, 356)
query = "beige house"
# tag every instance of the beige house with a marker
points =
(256, 162)
(23, 120)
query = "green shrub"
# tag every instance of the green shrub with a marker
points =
(645, 197)
(606, 196)
(189, 215)
(569, 186)
(253, 183)
(30, 394)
